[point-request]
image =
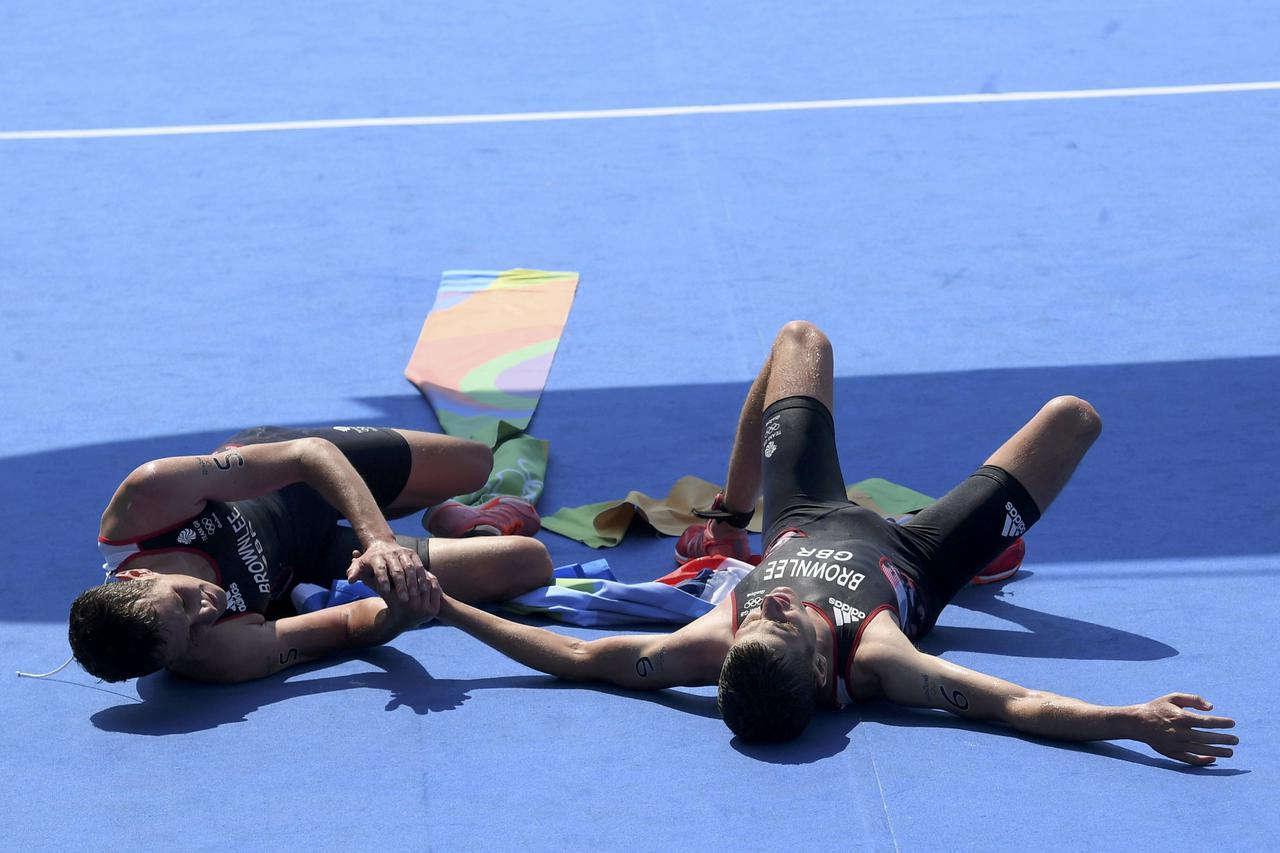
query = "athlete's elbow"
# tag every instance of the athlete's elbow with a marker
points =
(578, 663)
(146, 478)
(311, 454)
(1030, 710)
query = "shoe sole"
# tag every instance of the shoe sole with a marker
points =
(529, 526)
(979, 580)
(681, 559)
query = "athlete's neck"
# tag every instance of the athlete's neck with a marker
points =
(178, 563)
(825, 646)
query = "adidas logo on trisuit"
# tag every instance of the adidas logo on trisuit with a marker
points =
(1013, 524)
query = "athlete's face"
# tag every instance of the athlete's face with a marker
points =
(187, 608)
(782, 623)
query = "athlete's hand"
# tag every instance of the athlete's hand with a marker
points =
(418, 609)
(1170, 729)
(389, 568)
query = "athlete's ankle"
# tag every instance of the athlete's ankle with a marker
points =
(720, 529)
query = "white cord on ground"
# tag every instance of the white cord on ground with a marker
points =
(22, 674)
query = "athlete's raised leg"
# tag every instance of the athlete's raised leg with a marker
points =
(980, 522)
(799, 364)
(1043, 454)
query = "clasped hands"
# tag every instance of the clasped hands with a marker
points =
(396, 573)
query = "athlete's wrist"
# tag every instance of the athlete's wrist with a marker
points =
(374, 533)
(1131, 722)
(372, 623)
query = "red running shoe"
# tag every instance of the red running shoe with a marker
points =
(697, 541)
(504, 515)
(1003, 567)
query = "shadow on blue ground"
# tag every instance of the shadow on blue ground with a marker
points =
(1047, 636)
(174, 706)
(171, 706)
(1179, 470)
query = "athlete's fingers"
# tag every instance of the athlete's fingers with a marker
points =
(423, 578)
(1204, 721)
(435, 595)
(1205, 749)
(1197, 736)
(1189, 700)
(1188, 758)
(411, 581)
(397, 579)
(380, 577)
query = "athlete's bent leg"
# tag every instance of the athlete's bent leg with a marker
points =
(1043, 454)
(799, 364)
(489, 569)
(441, 466)
(988, 512)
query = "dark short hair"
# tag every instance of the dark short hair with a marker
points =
(764, 696)
(115, 632)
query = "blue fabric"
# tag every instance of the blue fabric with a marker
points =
(587, 594)
(593, 569)
(339, 592)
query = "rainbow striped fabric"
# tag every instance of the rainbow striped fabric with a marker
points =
(486, 348)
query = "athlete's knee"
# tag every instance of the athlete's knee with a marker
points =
(1074, 415)
(801, 334)
(475, 462)
(529, 564)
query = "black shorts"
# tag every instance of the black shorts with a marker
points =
(320, 547)
(940, 549)
(382, 456)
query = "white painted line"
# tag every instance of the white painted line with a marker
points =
(640, 112)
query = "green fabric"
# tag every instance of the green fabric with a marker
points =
(583, 584)
(604, 524)
(486, 430)
(519, 459)
(888, 499)
(579, 522)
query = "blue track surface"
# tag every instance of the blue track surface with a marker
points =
(969, 261)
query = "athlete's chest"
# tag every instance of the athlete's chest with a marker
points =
(814, 571)
(238, 544)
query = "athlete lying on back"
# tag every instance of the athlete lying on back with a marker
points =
(829, 615)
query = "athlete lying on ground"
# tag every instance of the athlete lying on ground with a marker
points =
(829, 615)
(203, 551)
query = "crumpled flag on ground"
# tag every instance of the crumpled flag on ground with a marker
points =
(604, 524)
(589, 595)
(482, 360)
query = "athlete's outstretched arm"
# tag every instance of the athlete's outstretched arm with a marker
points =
(910, 677)
(641, 661)
(168, 491)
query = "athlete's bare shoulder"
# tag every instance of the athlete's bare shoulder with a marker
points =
(882, 641)
(707, 639)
